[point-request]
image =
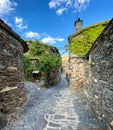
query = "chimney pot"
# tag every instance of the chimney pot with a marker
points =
(78, 24)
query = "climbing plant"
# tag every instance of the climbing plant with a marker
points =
(85, 38)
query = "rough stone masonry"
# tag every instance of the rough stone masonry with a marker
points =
(100, 88)
(95, 74)
(12, 95)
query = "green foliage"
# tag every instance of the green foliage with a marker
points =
(46, 59)
(49, 63)
(38, 48)
(28, 68)
(82, 44)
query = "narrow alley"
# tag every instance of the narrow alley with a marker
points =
(55, 108)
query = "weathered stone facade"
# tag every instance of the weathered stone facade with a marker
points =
(12, 95)
(96, 73)
(100, 90)
(77, 72)
(55, 77)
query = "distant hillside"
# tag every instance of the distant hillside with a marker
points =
(81, 42)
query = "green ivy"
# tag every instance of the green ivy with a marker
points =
(82, 44)
(28, 68)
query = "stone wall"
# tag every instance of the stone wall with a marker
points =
(55, 77)
(100, 89)
(77, 71)
(95, 74)
(12, 95)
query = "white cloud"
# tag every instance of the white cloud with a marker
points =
(52, 40)
(55, 3)
(61, 10)
(81, 4)
(69, 3)
(64, 5)
(59, 39)
(31, 34)
(83, 1)
(44, 37)
(18, 20)
(6, 6)
(19, 23)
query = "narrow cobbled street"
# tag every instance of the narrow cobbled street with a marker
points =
(55, 108)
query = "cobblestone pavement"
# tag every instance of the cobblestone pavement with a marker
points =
(55, 108)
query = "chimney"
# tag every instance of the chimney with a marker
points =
(78, 25)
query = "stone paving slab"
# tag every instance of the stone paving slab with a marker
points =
(55, 108)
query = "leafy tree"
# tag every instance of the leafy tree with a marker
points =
(47, 59)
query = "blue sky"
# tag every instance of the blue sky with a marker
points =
(51, 21)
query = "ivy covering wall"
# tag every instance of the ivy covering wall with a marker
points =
(81, 42)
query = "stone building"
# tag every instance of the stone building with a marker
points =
(95, 75)
(76, 63)
(100, 88)
(12, 95)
